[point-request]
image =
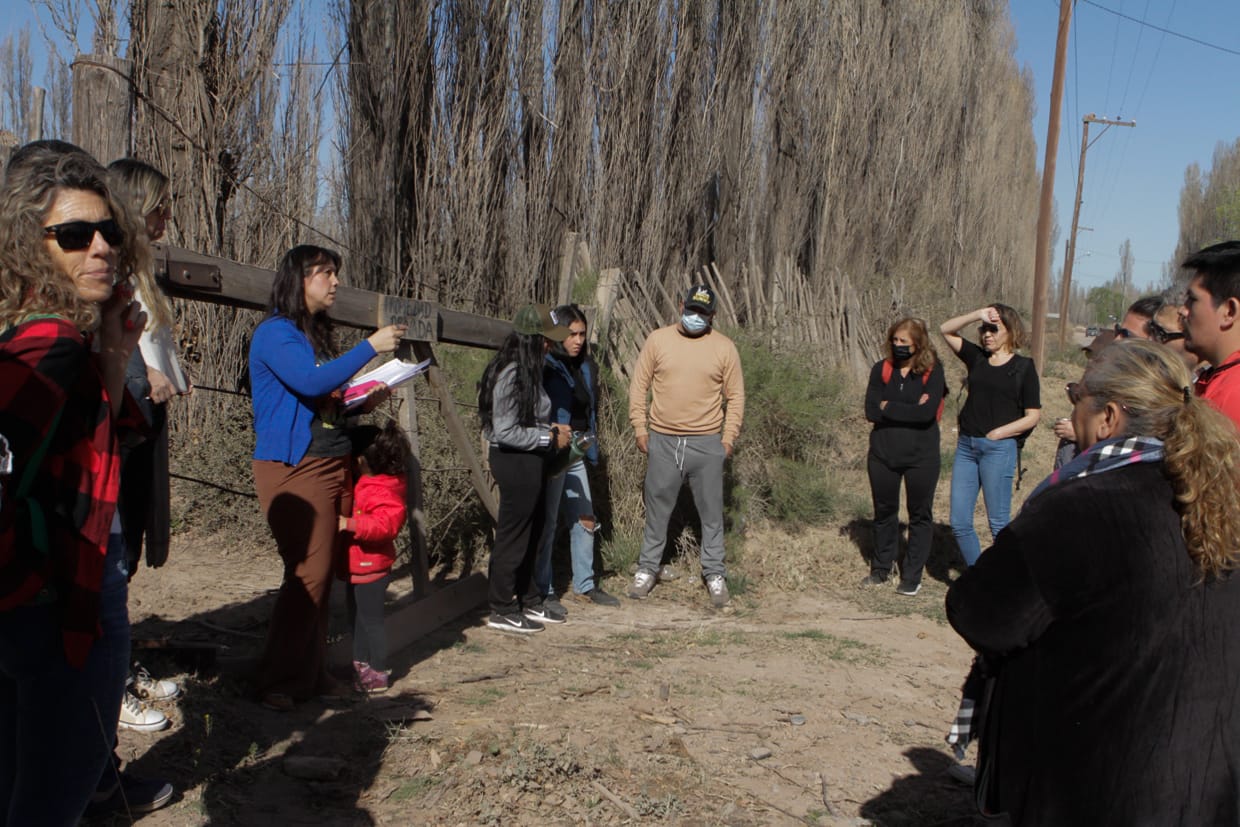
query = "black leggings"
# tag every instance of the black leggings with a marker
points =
(522, 491)
(365, 604)
(919, 484)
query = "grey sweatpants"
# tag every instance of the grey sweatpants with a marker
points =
(671, 461)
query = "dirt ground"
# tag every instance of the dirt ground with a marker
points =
(808, 701)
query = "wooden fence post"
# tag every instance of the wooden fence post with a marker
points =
(34, 118)
(415, 503)
(568, 253)
(102, 106)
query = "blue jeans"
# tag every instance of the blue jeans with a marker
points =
(991, 465)
(113, 647)
(568, 495)
(58, 723)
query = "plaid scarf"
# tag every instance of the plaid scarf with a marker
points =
(1106, 455)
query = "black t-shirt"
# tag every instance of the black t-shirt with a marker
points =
(997, 395)
(329, 434)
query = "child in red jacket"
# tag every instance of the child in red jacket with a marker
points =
(380, 456)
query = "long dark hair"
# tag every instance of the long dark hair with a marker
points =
(526, 352)
(566, 314)
(288, 295)
(386, 450)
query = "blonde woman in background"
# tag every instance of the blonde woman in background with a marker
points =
(153, 376)
(1106, 614)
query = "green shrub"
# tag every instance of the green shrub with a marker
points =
(800, 494)
(620, 551)
(585, 287)
(791, 411)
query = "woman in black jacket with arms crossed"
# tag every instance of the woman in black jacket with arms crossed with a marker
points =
(904, 401)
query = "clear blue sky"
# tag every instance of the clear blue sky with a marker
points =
(1184, 96)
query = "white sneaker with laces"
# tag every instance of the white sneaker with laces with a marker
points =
(718, 588)
(137, 717)
(148, 688)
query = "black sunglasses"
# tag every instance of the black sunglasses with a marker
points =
(987, 327)
(1076, 392)
(78, 235)
(1161, 334)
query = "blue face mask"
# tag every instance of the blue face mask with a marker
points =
(695, 324)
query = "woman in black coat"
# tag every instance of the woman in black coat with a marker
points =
(904, 400)
(1106, 614)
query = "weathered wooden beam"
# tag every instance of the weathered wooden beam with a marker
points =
(190, 275)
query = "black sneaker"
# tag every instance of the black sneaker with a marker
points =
(555, 605)
(598, 597)
(874, 578)
(908, 589)
(515, 622)
(133, 795)
(545, 613)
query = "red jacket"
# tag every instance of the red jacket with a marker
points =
(378, 514)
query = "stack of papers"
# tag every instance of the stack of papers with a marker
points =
(393, 373)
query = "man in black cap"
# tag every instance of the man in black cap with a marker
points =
(692, 376)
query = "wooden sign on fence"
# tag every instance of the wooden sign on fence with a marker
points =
(421, 317)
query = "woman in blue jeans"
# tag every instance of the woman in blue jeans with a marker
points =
(570, 378)
(1002, 406)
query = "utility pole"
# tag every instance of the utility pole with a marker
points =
(1042, 262)
(1065, 286)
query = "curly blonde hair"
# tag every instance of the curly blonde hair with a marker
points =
(140, 188)
(1202, 453)
(30, 283)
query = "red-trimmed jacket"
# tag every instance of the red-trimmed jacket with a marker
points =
(46, 368)
(378, 514)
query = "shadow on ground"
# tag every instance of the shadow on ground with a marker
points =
(944, 564)
(251, 763)
(927, 797)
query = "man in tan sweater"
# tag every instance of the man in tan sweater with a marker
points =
(692, 377)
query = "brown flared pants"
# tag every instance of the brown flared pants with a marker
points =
(301, 503)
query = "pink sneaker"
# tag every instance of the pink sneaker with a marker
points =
(368, 680)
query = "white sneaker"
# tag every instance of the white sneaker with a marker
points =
(137, 717)
(148, 688)
(718, 588)
(643, 582)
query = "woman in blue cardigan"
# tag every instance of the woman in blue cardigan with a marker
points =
(302, 462)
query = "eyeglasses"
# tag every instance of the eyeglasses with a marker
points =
(987, 327)
(1161, 334)
(73, 236)
(1076, 392)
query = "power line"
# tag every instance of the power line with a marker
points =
(1154, 62)
(1171, 32)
